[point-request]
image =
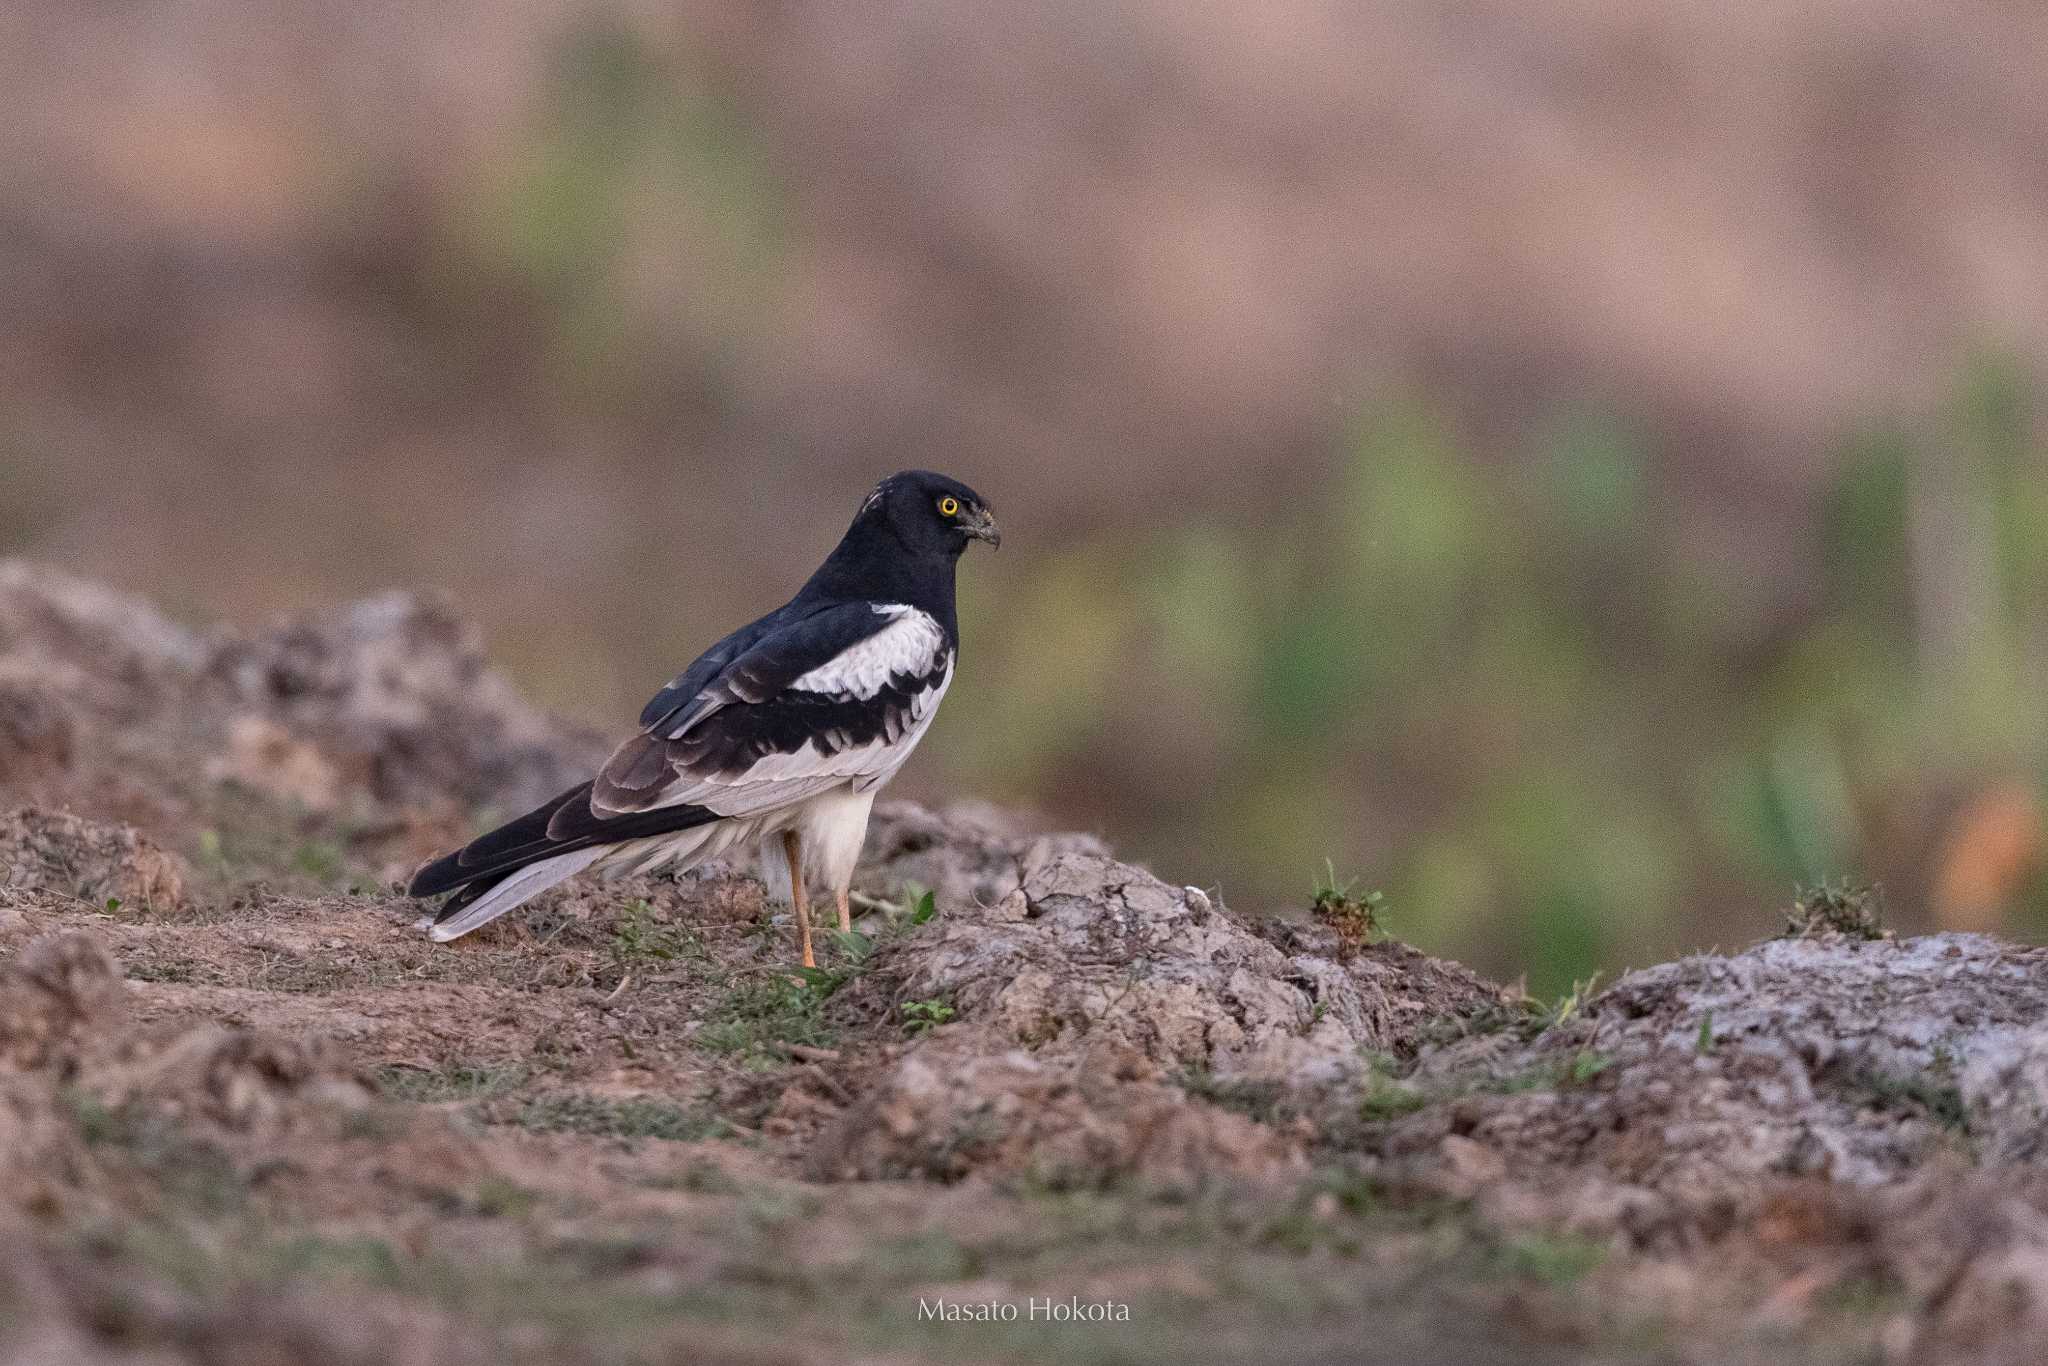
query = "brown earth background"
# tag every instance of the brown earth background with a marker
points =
(1573, 466)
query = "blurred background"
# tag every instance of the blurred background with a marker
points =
(1575, 466)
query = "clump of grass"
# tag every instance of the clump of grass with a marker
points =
(369, 1259)
(1260, 1100)
(1522, 1017)
(1356, 919)
(1554, 1259)
(1851, 910)
(1385, 1097)
(321, 861)
(1572, 1004)
(574, 1112)
(1577, 1070)
(701, 1177)
(188, 1170)
(497, 1198)
(642, 936)
(762, 1016)
(1933, 1092)
(179, 970)
(455, 1081)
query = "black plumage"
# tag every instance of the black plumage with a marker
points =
(817, 701)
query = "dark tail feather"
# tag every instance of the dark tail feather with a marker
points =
(491, 858)
(500, 851)
(466, 894)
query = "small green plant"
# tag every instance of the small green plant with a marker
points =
(917, 906)
(854, 947)
(1704, 1043)
(1851, 910)
(1572, 1004)
(1868, 1295)
(922, 1017)
(1356, 919)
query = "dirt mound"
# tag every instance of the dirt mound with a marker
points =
(391, 696)
(1077, 999)
(1077, 949)
(54, 998)
(37, 732)
(1057, 1120)
(237, 1079)
(382, 704)
(105, 652)
(1667, 1103)
(103, 864)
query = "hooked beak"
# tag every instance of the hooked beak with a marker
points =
(982, 527)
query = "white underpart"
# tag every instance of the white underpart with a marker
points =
(908, 646)
(831, 828)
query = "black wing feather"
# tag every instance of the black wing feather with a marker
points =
(747, 709)
(684, 687)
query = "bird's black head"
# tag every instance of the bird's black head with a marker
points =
(929, 513)
(904, 544)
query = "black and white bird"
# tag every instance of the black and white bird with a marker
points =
(779, 736)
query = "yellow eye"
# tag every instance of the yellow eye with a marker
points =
(949, 507)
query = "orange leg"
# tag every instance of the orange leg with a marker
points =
(794, 853)
(845, 912)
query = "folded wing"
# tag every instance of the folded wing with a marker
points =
(841, 695)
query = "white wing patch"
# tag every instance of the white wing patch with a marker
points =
(776, 780)
(907, 646)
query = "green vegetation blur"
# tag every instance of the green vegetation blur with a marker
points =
(1506, 695)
